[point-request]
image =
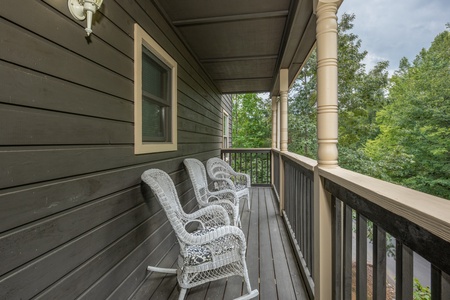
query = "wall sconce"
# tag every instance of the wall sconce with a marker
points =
(80, 9)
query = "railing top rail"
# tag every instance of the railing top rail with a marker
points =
(253, 150)
(427, 211)
(303, 161)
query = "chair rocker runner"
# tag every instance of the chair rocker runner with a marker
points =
(210, 253)
(226, 178)
(226, 198)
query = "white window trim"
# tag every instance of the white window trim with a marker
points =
(142, 38)
(225, 129)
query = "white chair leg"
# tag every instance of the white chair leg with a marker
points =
(162, 270)
(182, 294)
(248, 198)
(250, 293)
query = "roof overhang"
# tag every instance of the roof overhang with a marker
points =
(242, 45)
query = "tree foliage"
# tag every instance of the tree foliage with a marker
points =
(252, 127)
(397, 130)
(360, 95)
(302, 114)
(394, 129)
(413, 147)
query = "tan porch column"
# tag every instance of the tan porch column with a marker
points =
(284, 86)
(274, 134)
(327, 109)
(327, 134)
(278, 123)
(274, 122)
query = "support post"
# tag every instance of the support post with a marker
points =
(274, 122)
(327, 83)
(284, 87)
(327, 135)
(282, 184)
(278, 123)
(274, 134)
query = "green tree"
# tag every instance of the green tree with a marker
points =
(302, 111)
(413, 147)
(360, 94)
(421, 292)
(251, 125)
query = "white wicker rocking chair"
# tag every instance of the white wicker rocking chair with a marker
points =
(208, 254)
(221, 172)
(226, 198)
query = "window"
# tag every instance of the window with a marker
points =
(226, 130)
(155, 96)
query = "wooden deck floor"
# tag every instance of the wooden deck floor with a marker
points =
(270, 259)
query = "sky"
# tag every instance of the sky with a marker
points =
(392, 29)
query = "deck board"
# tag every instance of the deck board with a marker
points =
(270, 259)
(268, 290)
(285, 287)
(253, 242)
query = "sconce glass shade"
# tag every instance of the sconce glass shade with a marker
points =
(80, 9)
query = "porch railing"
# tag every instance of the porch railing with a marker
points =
(393, 227)
(378, 229)
(298, 196)
(276, 171)
(255, 162)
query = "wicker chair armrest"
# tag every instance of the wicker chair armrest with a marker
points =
(232, 172)
(243, 178)
(211, 213)
(224, 183)
(222, 174)
(227, 194)
(188, 222)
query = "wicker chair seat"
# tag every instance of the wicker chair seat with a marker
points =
(200, 254)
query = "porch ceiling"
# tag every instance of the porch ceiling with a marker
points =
(243, 44)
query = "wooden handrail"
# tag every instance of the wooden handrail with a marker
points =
(427, 211)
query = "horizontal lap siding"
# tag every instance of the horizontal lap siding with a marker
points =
(73, 218)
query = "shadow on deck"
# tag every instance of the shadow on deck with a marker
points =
(271, 262)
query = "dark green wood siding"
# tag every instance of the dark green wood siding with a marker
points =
(73, 219)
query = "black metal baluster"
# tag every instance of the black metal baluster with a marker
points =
(379, 263)
(337, 252)
(306, 219)
(256, 162)
(404, 272)
(310, 200)
(445, 285)
(436, 283)
(299, 194)
(347, 260)
(361, 257)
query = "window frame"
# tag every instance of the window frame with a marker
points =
(142, 39)
(225, 130)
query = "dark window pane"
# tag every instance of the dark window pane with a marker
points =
(154, 121)
(156, 99)
(155, 77)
